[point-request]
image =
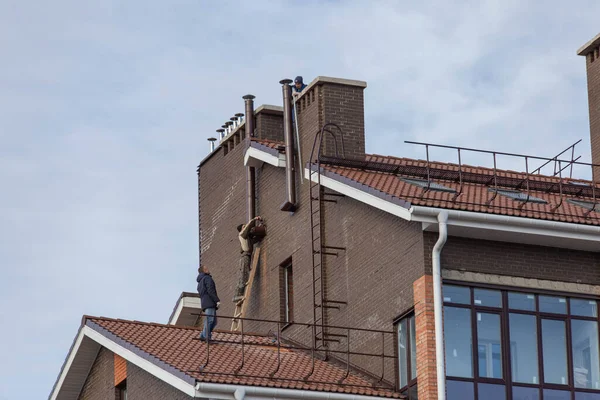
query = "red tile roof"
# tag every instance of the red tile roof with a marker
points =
(474, 196)
(178, 348)
(268, 143)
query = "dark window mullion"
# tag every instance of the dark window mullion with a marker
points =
(540, 347)
(505, 340)
(570, 377)
(475, 345)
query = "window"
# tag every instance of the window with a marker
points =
(407, 356)
(509, 344)
(287, 292)
(121, 391)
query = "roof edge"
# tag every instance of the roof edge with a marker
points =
(586, 48)
(163, 371)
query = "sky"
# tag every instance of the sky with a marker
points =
(106, 107)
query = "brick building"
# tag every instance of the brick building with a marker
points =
(365, 259)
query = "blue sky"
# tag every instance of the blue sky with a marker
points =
(106, 107)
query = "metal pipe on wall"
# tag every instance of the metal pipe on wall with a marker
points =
(290, 203)
(438, 305)
(250, 171)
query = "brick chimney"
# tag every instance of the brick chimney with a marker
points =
(592, 61)
(333, 100)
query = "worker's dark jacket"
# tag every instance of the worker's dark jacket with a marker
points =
(207, 291)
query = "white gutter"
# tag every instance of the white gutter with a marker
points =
(437, 304)
(240, 392)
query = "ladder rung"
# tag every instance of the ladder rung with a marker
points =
(335, 301)
(334, 335)
(329, 200)
(327, 253)
(334, 194)
(334, 247)
(334, 307)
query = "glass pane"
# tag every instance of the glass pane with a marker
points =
(554, 345)
(458, 342)
(587, 396)
(414, 393)
(413, 348)
(523, 393)
(521, 301)
(556, 395)
(456, 390)
(403, 352)
(457, 294)
(584, 308)
(488, 298)
(551, 304)
(523, 348)
(489, 345)
(491, 392)
(584, 339)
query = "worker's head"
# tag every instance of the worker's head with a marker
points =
(203, 268)
(298, 82)
(240, 227)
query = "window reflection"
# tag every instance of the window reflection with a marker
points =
(584, 339)
(491, 392)
(402, 353)
(556, 395)
(457, 294)
(488, 298)
(525, 393)
(552, 304)
(554, 344)
(458, 342)
(413, 348)
(523, 348)
(587, 396)
(521, 301)
(456, 390)
(489, 345)
(584, 308)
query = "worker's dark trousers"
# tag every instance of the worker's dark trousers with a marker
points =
(244, 273)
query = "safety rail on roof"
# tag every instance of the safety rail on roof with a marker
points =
(530, 180)
(342, 345)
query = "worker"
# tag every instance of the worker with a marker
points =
(245, 237)
(209, 301)
(297, 89)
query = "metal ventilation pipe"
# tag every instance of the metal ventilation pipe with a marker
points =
(212, 143)
(234, 122)
(250, 171)
(288, 133)
(229, 127)
(221, 133)
(240, 117)
(225, 130)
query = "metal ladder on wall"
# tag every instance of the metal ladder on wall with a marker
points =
(320, 250)
(242, 305)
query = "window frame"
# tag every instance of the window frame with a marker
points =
(504, 311)
(411, 381)
(286, 294)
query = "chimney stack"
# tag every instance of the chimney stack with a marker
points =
(288, 134)
(250, 172)
(591, 53)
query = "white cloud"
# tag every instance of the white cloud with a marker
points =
(106, 108)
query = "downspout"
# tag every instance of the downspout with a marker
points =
(290, 179)
(250, 171)
(437, 304)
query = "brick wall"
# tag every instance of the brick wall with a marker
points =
(593, 78)
(141, 385)
(269, 125)
(144, 386)
(120, 369)
(222, 199)
(380, 248)
(331, 102)
(100, 383)
(425, 337)
(515, 259)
